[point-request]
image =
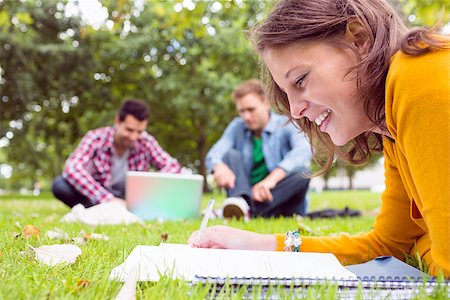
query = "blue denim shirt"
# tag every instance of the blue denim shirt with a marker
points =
(283, 145)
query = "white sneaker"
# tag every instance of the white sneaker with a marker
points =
(236, 207)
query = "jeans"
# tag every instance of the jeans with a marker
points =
(67, 194)
(289, 195)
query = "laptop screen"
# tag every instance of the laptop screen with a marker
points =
(164, 196)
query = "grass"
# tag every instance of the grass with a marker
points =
(21, 277)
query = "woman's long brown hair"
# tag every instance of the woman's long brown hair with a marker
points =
(294, 21)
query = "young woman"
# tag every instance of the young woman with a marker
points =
(351, 75)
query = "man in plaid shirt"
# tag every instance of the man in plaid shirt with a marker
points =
(96, 170)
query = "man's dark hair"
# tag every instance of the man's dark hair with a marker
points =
(134, 107)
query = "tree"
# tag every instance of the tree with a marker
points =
(201, 63)
(36, 88)
(60, 76)
(351, 170)
(184, 60)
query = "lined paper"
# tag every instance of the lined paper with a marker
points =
(183, 261)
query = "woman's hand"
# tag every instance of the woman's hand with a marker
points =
(224, 237)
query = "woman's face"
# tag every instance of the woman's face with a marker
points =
(314, 77)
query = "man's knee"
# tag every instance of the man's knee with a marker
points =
(56, 185)
(232, 157)
(65, 192)
(60, 187)
(300, 177)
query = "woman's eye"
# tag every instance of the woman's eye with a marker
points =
(299, 81)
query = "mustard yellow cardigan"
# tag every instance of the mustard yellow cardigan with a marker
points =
(414, 217)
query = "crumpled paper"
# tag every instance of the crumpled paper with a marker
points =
(108, 213)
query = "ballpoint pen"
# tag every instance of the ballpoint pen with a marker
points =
(206, 217)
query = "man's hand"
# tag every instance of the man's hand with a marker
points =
(223, 176)
(261, 191)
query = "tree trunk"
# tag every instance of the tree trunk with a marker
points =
(202, 149)
(350, 175)
(326, 177)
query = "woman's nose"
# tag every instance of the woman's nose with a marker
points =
(297, 108)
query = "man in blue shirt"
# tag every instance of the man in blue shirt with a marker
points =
(261, 159)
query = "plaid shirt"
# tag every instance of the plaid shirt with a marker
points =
(88, 169)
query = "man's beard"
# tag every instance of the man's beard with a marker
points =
(126, 143)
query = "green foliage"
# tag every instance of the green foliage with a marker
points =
(60, 77)
(426, 12)
(43, 76)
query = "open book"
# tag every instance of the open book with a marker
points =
(196, 264)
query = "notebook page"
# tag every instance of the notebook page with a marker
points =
(182, 261)
(191, 262)
(148, 260)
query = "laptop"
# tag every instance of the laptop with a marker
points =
(164, 196)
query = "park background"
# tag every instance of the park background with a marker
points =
(65, 66)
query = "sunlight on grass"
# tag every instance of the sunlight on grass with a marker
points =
(21, 277)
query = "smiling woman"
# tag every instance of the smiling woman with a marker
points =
(350, 74)
(349, 44)
(315, 79)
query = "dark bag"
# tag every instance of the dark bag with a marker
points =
(333, 213)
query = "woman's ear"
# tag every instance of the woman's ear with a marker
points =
(358, 35)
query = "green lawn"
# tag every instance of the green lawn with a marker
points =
(21, 277)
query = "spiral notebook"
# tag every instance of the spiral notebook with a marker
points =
(265, 268)
(193, 264)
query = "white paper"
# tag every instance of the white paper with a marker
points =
(108, 213)
(128, 290)
(183, 261)
(53, 255)
(147, 259)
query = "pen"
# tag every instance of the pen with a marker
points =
(206, 217)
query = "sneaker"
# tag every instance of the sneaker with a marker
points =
(236, 207)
